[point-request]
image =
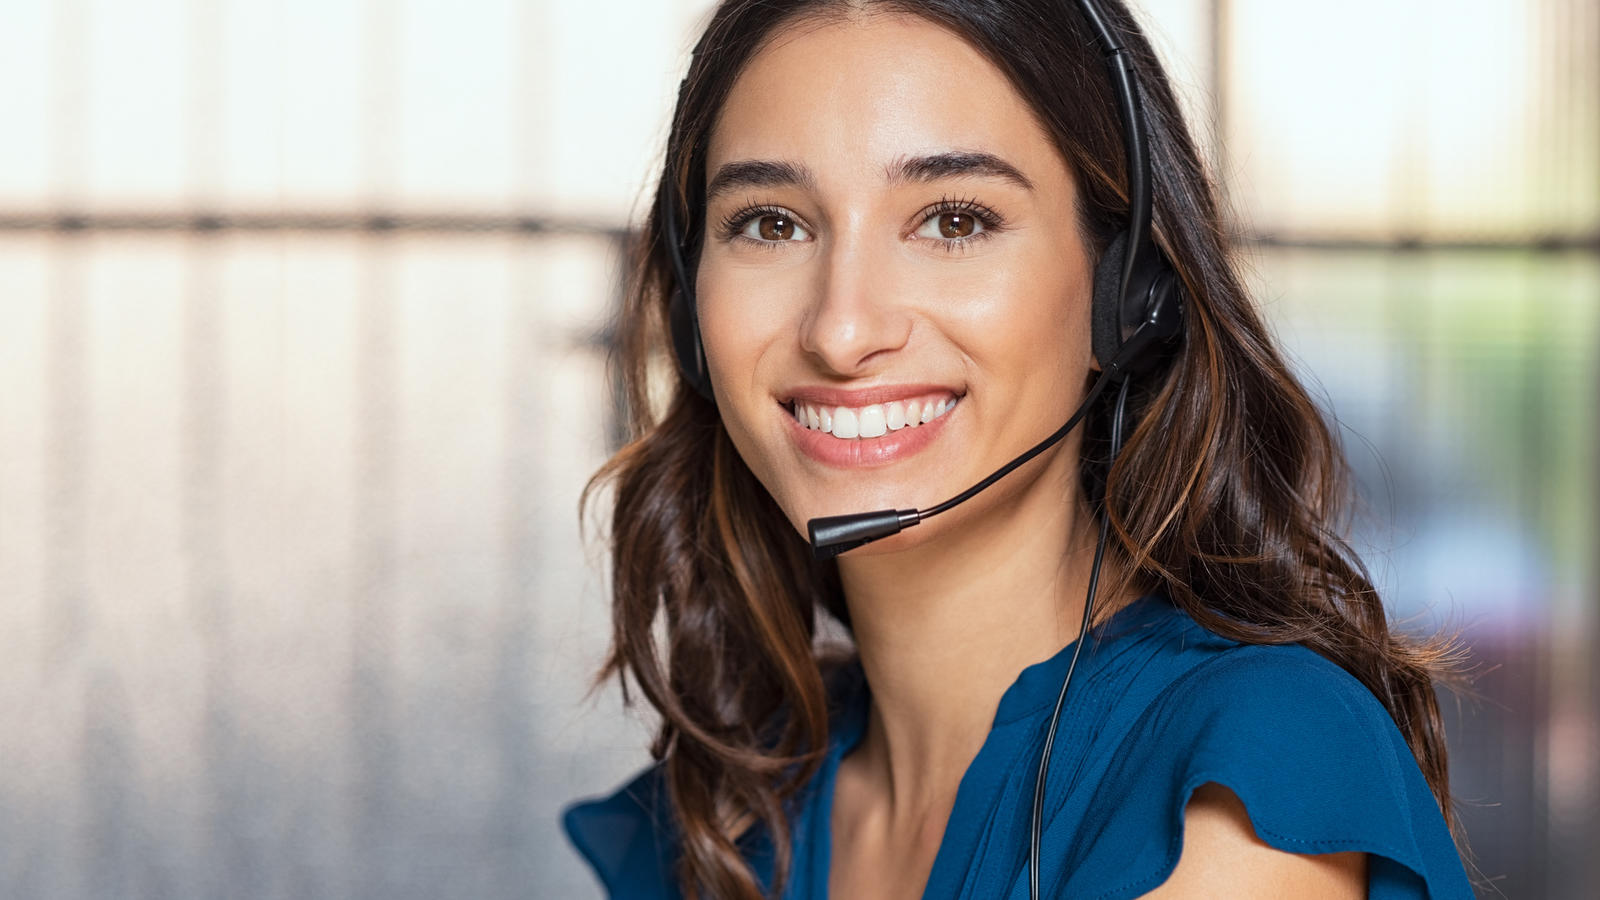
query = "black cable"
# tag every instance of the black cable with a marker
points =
(1083, 635)
(1083, 408)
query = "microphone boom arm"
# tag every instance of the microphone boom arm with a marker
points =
(833, 535)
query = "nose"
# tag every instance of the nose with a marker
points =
(858, 314)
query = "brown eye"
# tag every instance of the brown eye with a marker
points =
(953, 227)
(956, 225)
(770, 228)
(775, 228)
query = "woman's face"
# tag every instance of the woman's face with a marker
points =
(890, 233)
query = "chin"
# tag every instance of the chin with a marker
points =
(856, 501)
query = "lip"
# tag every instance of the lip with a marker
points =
(864, 396)
(865, 453)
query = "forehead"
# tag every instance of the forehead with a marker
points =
(859, 92)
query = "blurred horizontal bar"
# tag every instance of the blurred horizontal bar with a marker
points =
(362, 222)
(490, 223)
(1539, 243)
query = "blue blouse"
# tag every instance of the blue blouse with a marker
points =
(1158, 707)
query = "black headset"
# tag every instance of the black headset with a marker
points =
(1137, 321)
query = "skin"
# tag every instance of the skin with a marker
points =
(856, 282)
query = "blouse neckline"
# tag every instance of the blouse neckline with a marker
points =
(1033, 693)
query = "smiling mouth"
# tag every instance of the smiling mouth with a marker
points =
(876, 420)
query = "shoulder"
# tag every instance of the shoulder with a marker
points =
(627, 837)
(1222, 851)
(1261, 700)
(1285, 742)
(1209, 701)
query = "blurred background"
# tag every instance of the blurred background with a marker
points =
(303, 336)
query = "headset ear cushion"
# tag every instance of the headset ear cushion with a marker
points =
(686, 347)
(1106, 310)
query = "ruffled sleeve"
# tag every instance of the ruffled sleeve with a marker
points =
(626, 838)
(1317, 761)
(629, 837)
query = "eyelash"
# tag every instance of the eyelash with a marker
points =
(735, 223)
(991, 220)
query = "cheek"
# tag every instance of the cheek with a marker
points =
(1035, 324)
(742, 326)
(741, 315)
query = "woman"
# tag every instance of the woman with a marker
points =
(884, 238)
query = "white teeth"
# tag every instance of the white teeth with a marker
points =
(870, 421)
(873, 423)
(844, 423)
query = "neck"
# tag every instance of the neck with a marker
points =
(946, 626)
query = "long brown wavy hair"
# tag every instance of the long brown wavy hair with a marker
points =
(1229, 495)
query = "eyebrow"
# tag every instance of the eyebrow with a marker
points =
(971, 164)
(752, 173)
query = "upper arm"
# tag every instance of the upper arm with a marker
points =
(1223, 857)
